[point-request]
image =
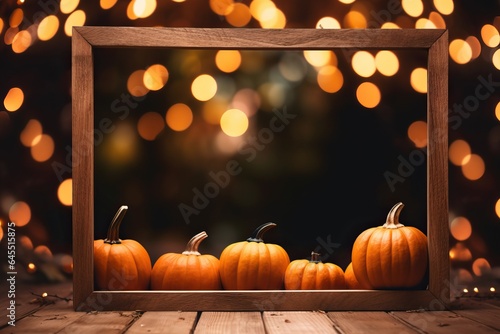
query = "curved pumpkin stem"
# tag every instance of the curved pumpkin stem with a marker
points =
(114, 227)
(315, 257)
(393, 217)
(194, 243)
(259, 232)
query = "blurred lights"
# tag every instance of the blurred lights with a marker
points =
(460, 253)
(318, 58)
(16, 17)
(9, 35)
(497, 208)
(475, 46)
(67, 6)
(155, 77)
(107, 4)
(480, 267)
(497, 111)
(150, 125)
(221, 7)
(43, 149)
(274, 19)
(355, 20)
(413, 8)
(228, 61)
(65, 192)
(330, 79)
(476, 290)
(496, 59)
(460, 228)
(77, 18)
(346, 1)
(363, 63)
(246, 100)
(204, 87)
(390, 25)
(418, 80)
(179, 117)
(234, 122)
(14, 99)
(212, 110)
(32, 130)
(239, 15)
(135, 83)
(460, 51)
(387, 63)
(417, 132)
(437, 20)
(20, 213)
(445, 7)
(1, 25)
(424, 23)
(25, 242)
(328, 22)
(143, 8)
(48, 27)
(474, 168)
(459, 152)
(43, 252)
(368, 95)
(31, 268)
(21, 42)
(490, 35)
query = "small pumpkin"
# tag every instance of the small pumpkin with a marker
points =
(120, 264)
(351, 282)
(253, 264)
(187, 271)
(313, 275)
(390, 256)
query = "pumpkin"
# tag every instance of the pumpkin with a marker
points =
(120, 264)
(351, 282)
(187, 271)
(390, 256)
(313, 275)
(253, 264)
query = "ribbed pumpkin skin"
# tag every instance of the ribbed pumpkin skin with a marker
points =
(124, 266)
(173, 271)
(351, 282)
(249, 265)
(390, 258)
(307, 275)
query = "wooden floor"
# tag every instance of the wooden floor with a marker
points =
(54, 314)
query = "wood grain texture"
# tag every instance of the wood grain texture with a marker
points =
(487, 316)
(244, 38)
(297, 322)
(164, 322)
(367, 322)
(230, 322)
(100, 322)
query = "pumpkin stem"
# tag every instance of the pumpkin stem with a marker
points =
(194, 243)
(259, 232)
(393, 217)
(114, 227)
(315, 257)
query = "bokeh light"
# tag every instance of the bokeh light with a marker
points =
(474, 168)
(1, 25)
(363, 63)
(43, 252)
(14, 99)
(355, 20)
(346, 1)
(48, 28)
(460, 51)
(65, 192)
(481, 266)
(31, 268)
(150, 125)
(328, 22)
(107, 4)
(490, 35)
(330, 79)
(143, 8)
(213, 109)
(238, 15)
(445, 7)
(204, 87)
(497, 208)
(320, 58)
(155, 77)
(179, 117)
(387, 63)
(460, 228)
(221, 7)
(20, 213)
(135, 84)
(67, 6)
(77, 18)
(21, 42)
(418, 80)
(459, 152)
(228, 61)
(234, 122)
(16, 17)
(32, 130)
(246, 100)
(277, 20)
(368, 95)
(475, 46)
(417, 132)
(497, 111)
(413, 8)
(43, 148)
(423, 23)
(496, 59)
(437, 20)
(460, 253)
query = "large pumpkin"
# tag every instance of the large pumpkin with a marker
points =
(187, 271)
(253, 264)
(120, 264)
(390, 256)
(313, 275)
(351, 282)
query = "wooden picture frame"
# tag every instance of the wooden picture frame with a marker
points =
(85, 39)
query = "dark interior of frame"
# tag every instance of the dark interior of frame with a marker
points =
(333, 170)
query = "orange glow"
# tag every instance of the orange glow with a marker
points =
(438, 20)
(130, 11)
(497, 208)
(496, 59)
(460, 253)
(475, 46)
(20, 213)
(16, 17)
(330, 79)
(262, 10)
(445, 7)
(474, 168)
(32, 130)
(14, 99)
(275, 21)
(204, 87)
(347, 1)
(363, 63)
(228, 60)
(239, 15)
(1, 231)
(150, 125)
(459, 152)
(413, 8)
(497, 111)
(43, 252)
(387, 63)
(460, 228)
(135, 83)
(179, 117)
(460, 51)
(25, 242)
(155, 77)
(328, 22)
(390, 25)
(43, 149)
(143, 8)
(221, 7)
(481, 266)
(9, 35)
(48, 27)
(355, 20)
(77, 18)
(1, 25)
(418, 80)
(21, 41)
(417, 132)
(31, 268)
(67, 6)
(234, 122)
(212, 110)
(424, 23)
(368, 95)
(490, 35)
(65, 192)
(107, 4)
(246, 100)
(320, 58)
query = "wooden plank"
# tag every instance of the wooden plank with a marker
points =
(164, 322)
(487, 316)
(367, 322)
(224, 38)
(230, 322)
(297, 322)
(101, 322)
(441, 322)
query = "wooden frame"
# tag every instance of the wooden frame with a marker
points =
(435, 297)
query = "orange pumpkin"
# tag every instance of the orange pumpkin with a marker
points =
(187, 271)
(120, 264)
(351, 282)
(390, 256)
(313, 275)
(253, 264)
